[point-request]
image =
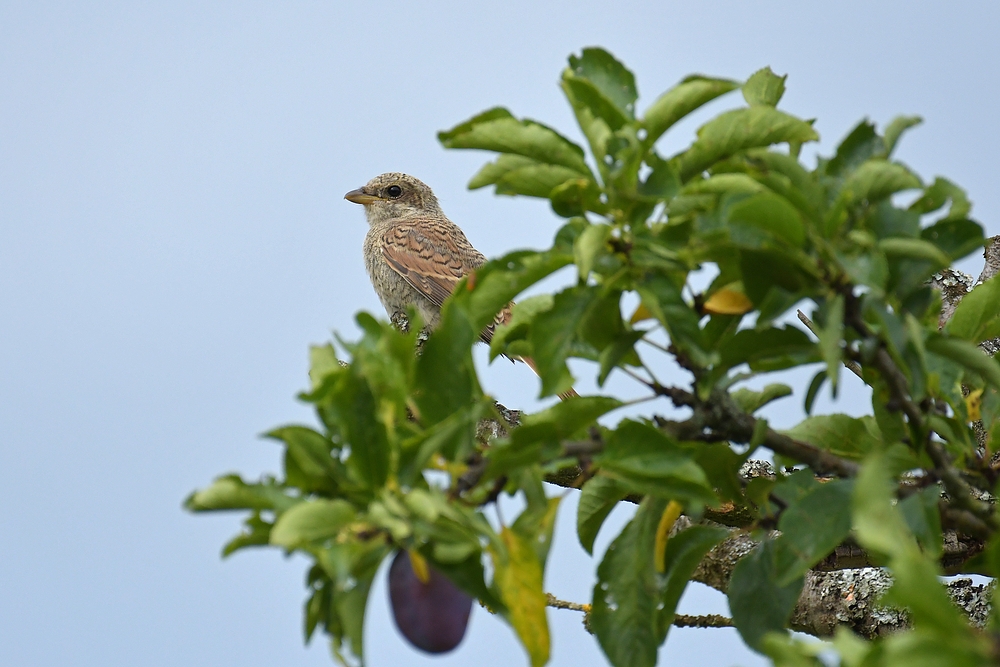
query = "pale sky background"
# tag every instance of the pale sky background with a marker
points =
(173, 237)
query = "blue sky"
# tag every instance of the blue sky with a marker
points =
(173, 237)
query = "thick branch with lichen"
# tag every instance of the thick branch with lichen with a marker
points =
(838, 597)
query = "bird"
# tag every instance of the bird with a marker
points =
(414, 254)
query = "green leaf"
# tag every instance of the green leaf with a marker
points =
(877, 524)
(602, 324)
(310, 450)
(726, 183)
(739, 130)
(721, 465)
(229, 492)
(887, 221)
(773, 282)
(536, 524)
(897, 126)
(538, 180)
(446, 376)
(518, 574)
(322, 363)
(923, 518)
(813, 390)
(317, 607)
(955, 237)
(764, 87)
(592, 243)
(597, 498)
(553, 334)
(861, 144)
(876, 179)
(599, 87)
(497, 130)
(751, 401)
(496, 113)
(522, 315)
(564, 419)
(576, 197)
(919, 249)
(518, 175)
(756, 600)
(662, 183)
(454, 438)
(830, 336)
(687, 96)
(940, 192)
(866, 268)
(588, 101)
(787, 651)
(608, 76)
(541, 434)
(492, 172)
(802, 189)
(845, 436)
(683, 554)
(768, 213)
(256, 533)
(624, 615)
(812, 527)
(352, 567)
(354, 409)
(500, 280)
(977, 316)
(768, 350)
(619, 353)
(662, 296)
(965, 354)
(647, 461)
(311, 521)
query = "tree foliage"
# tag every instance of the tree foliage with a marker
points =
(410, 453)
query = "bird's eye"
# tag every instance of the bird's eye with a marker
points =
(394, 191)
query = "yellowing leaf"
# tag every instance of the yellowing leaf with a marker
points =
(519, 577)
(667, 521)
(641, 313)
(419, 565)
(727, 301)
(973, 403)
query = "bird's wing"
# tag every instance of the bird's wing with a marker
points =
(430, 254)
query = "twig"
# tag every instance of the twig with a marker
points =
(680, 620)
(635, 376)
(719, 418)
(659, 347)
(702, 621)
(960, 492)
(851, 365)
(553, 601)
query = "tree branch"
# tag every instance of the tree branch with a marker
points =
(719, 419)
(841, 597)
(680, 620)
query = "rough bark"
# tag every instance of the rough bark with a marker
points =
(842, 597)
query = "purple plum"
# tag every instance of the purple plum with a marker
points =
(432, 615)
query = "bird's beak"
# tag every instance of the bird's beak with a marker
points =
(359, 196)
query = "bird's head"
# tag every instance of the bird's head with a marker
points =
(394, 195)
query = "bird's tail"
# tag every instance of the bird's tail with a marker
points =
(569, 393)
